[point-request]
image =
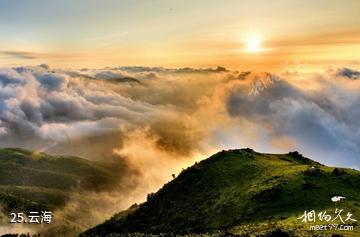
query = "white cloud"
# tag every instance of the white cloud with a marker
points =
(187, 110)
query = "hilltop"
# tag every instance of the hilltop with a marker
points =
(242, 192)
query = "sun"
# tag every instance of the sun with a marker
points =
(253, 44)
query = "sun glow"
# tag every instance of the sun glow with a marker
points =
(253, 44)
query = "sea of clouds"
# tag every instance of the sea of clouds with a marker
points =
(91, 113)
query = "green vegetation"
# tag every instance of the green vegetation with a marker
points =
(242, 192)
(33, 181)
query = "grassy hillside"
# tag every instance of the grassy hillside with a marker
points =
(32, 181)
(243, 193)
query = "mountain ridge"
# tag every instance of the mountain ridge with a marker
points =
(240, 192)
(32, 181)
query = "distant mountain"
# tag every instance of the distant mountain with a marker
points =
(107, 77)
(31, 181)
(245, 193)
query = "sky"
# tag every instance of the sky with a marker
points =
(174, 33)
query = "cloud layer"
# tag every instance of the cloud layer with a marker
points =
(187, 110)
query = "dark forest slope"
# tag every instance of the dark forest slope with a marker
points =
(31, 181)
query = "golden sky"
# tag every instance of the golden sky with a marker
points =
(173, 33)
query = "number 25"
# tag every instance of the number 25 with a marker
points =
(17, 217)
